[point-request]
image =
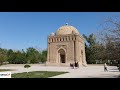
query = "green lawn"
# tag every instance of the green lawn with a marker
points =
(1, 70)
(37, 74)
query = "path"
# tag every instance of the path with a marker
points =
(92, 71)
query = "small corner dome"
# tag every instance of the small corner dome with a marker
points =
(52, 34)
(66, 29)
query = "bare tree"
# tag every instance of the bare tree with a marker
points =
(109, 36)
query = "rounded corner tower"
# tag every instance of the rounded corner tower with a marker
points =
(66, 46)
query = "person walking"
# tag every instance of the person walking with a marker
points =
(105, 67)
(72, 65)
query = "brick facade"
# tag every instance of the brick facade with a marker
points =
(66, 48)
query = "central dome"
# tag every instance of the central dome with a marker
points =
(66, 29)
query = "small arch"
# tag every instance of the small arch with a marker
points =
(64, 39)
(60, 39)
(52, 39)
(68, 38)
(74, 38)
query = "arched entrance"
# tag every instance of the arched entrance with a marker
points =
(61, 56)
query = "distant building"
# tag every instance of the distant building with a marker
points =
(66, 46)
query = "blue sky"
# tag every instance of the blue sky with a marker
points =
(20, 30)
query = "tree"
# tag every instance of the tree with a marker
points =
(16, 57)
(110, 38)
(90, 48)
(27, 66)
(44, 56)
(10, 55)
(3, 58)
(33, 55)
(3, 55)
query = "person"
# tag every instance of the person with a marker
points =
(105, 67)
(76, 64)
(72, 65)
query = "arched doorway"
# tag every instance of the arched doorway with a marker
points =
(61, 56)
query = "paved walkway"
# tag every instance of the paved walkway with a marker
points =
(91, 71)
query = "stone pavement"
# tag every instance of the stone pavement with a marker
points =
(91, 71)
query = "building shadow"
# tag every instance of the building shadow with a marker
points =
(105, 76)
(113, 71)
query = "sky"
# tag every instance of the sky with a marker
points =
(20, 30)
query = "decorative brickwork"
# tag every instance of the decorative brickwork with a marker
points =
(66, 46)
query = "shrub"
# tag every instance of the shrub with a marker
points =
(27, 66)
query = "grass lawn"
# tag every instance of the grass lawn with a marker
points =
(37, 74)
(1, 70)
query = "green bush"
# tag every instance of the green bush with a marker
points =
(27, 66)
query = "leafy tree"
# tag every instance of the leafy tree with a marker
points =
(33, 55)
(44, 56)
(3, 58)
(17, 57)
(3, 55)
(91, 48)
(27, 66)
(10, 55)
